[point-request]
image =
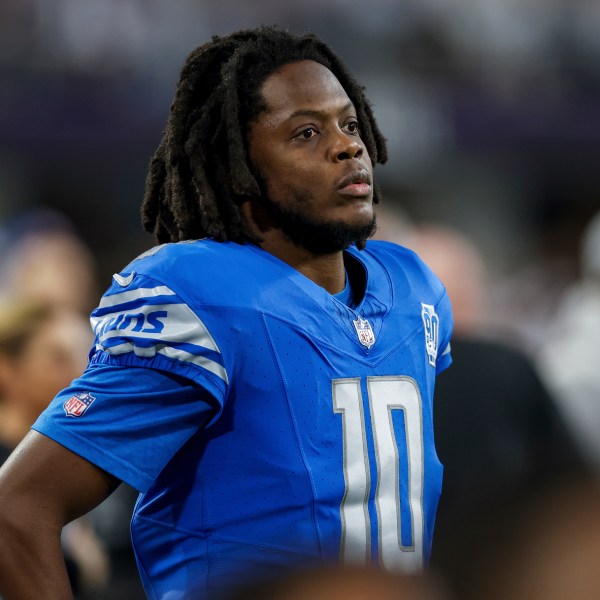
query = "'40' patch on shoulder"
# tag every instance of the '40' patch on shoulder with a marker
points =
(431, 324)
(76, 405)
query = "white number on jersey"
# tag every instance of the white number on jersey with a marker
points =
(385, 394)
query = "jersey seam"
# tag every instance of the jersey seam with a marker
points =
(181, 295)
(102, 357)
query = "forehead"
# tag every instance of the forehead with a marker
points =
(301, 85)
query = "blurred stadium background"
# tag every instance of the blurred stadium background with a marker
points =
(491, 109)
(492, 113)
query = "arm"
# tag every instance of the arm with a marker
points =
(43, 486)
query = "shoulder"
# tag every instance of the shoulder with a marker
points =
(390, 252)
(181, 257)
(403, 263)
(203, 272)
(416, 293)
(190, 267)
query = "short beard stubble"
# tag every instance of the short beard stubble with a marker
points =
(318, 237)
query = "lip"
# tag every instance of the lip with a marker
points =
(357, 183)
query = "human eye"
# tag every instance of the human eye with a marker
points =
(351, 126)
(306, 133)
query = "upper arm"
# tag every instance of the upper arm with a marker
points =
(138, 419)
(44, 480)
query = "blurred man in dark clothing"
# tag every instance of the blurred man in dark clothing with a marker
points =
(498, 431)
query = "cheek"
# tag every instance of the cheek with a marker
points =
(303, 175)
(282, 181)
(277, 167)
(283, 169)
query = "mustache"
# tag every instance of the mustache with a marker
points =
(358, 176)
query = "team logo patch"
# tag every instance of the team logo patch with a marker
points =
(76, 405)
(122, 280)
(431, 323)
(364, 331)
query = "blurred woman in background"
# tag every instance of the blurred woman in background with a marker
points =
(42, 348)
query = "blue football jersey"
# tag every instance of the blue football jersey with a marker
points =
(266, 423)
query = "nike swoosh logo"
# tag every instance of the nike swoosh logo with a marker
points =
(124, 281)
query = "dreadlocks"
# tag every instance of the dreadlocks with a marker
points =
(200, 172)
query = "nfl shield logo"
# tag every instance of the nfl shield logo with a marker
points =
(365, 334)
(76, 405)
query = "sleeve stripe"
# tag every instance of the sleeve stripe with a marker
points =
(147, 321)
(170, 352)
(163, 323)
(142, 344)
(133, 304)
(123, 297)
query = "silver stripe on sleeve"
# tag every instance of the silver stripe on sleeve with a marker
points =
(121, 298)
(164, 326)
(182, 355)
(180, 324)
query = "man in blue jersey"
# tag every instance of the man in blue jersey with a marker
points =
(264, 376)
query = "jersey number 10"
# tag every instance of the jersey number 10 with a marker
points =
(385, 394)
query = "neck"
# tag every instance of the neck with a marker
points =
(326, 270)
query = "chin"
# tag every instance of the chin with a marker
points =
(360, 218)
(356, 208)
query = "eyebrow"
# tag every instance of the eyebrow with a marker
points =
(307, 112)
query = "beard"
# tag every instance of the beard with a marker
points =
(311, 233)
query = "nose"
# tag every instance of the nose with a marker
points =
(346, 147)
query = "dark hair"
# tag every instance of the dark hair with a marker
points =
(201, 172)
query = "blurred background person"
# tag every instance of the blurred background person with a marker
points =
(568, 356)
(343, 583)
(551, 549)
(498, 431)
(48, 287)
(42, 257)
(43, 347)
